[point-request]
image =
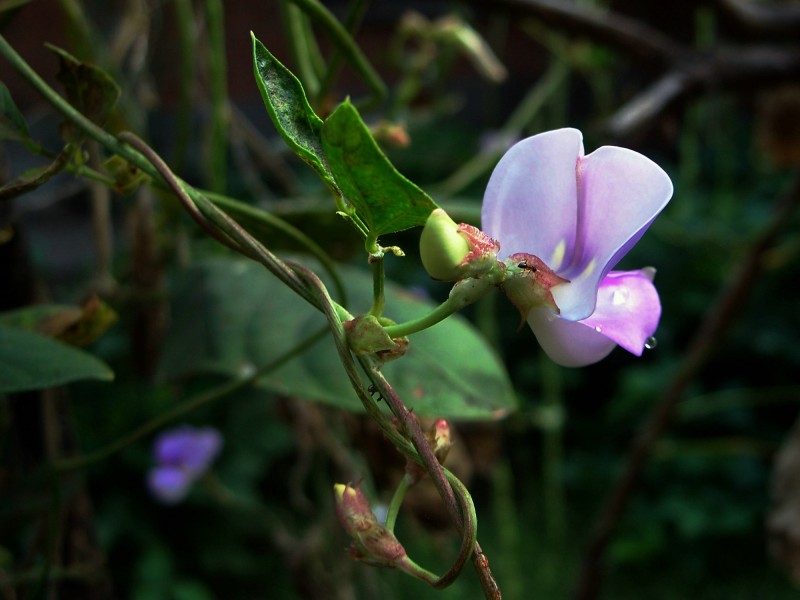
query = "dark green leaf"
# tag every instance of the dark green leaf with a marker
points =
(290, 111)
(31, 361)
(12, 123)
(75, 325)
(33, 178)
(385, 200)
(232, 316)
(88, 88)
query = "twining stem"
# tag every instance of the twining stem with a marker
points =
(452, 491)
(269, 220)
(306, 284)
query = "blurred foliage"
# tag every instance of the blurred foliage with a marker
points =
(262, 524)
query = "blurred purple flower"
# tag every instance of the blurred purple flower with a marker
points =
(580, 215)
(182, 455)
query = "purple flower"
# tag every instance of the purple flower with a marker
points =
(182, 456)
(580, 215)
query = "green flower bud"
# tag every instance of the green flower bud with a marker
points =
(442, 247)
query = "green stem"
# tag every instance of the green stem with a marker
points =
(412, 442)
(344, 41)
(186, 406)
(397, 502)
(295, 24)
(438, 314)
(378, 277)
(270, 220)
(217, 150)
(72, 114)
(187, 42)
(525, 111)
(353, 19)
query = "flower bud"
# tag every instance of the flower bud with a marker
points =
(442, 439)
(372, 542)
(353, 509)
(442, 247)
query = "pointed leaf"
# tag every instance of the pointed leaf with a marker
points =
(75, 325)
(288, 107)
(31, 361)
(12, 124)
(33, 178)
(385, 200)
(249, 320)
(88, 88)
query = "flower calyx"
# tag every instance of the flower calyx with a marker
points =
(366, 335)
(528, 282)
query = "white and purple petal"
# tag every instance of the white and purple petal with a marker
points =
(568, 343)
(627, 314)
(579, 214)
(620, 193)
(628, 309)
(530, 204)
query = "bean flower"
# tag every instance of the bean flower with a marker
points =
(564, 220)
(182, 456)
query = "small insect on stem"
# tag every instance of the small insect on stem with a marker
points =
(524, 265)
(372, 391)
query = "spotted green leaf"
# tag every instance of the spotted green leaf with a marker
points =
(384, 199)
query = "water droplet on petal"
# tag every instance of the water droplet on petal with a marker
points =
(598, 329)
(650, 343)
(620, 296)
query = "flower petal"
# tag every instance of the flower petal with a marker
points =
(627, 313)
(620, 193)
(169, 484)
(568, 343)
(530, 204)
(188, 448)
(628, 309)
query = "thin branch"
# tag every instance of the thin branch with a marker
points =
(724, 68)
(763, 17)
(713, 327)
(628, 35)
(687, 71)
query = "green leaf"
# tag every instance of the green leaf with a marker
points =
(12, 124)
(88, 88)
(31, 361)
(385, 200)
(288, 107)
(231, 316)
(75, 325)
(33, 178)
